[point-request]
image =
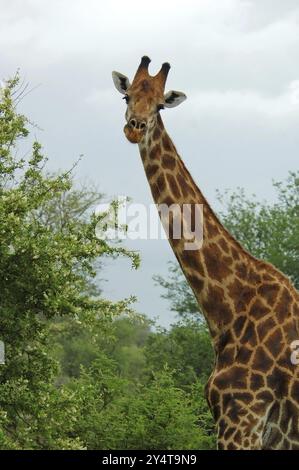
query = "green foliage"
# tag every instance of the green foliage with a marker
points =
(46, 272)
(127, 347)
(185, 348)
(119, 415)
(133, 378)
(179, 294)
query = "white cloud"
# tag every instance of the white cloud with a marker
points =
(247, 101)
(212, 34)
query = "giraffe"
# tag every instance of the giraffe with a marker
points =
(251, 308)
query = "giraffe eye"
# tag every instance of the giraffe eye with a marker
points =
(160, 106)
(126, 98)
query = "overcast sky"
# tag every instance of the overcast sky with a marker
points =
(236, 60)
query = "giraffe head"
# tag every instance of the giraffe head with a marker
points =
(145, 98)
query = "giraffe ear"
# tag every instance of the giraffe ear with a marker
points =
(174, 98)
(121, 82)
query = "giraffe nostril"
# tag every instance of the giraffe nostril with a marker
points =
(133, 123)
(142, 126)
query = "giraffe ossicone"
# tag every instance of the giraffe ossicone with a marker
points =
(251, 308)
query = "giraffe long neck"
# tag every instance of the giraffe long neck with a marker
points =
(252, 311)
(212, 270)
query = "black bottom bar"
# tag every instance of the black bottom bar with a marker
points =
(140, 458)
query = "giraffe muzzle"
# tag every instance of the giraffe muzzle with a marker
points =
(135, 130)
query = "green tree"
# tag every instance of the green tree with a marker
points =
(116, 414)
(185, 348)
(122, 340)
(179, 294)
(46, 273)
(127, 348)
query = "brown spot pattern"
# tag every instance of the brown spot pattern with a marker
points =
(155, 152)
(173, 185)
(168, 162)
(217, 269)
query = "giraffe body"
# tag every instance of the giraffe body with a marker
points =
(251, 308)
